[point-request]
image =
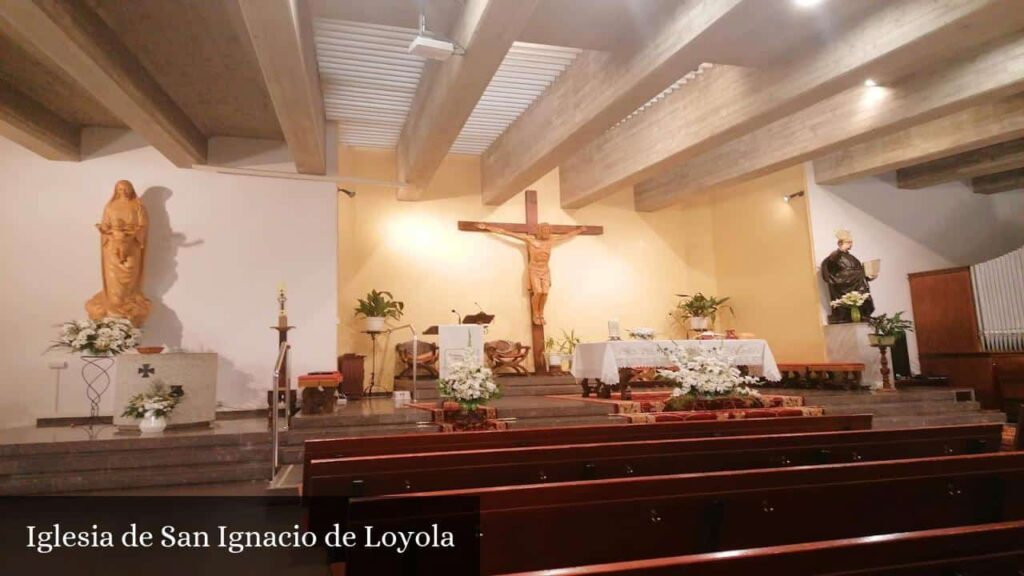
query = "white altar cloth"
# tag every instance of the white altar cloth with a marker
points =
(602, 360)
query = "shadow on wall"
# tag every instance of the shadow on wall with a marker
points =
(163, 326)
(237, 389)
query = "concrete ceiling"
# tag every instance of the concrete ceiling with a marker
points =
(199, 53)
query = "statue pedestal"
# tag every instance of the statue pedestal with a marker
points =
(849, 343)
(196, 373)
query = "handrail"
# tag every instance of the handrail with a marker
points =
(282, 355)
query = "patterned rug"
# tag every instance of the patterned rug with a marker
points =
(723, 414)
(654, 401)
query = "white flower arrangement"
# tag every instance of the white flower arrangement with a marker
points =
(157, 402)
(470, 384)
(704, 374)
(107, 337)
(852, 299)
(641, 333)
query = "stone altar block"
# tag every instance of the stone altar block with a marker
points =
(849, 343)
(196, 373)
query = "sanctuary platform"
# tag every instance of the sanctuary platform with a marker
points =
(234, 455)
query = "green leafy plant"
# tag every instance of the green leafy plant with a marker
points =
(158, 402)
(700, 306)
(380, 305)
(567, 345)
(895, 325)
(550, 345)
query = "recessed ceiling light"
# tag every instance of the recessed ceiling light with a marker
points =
(870, 83)
(807, 3)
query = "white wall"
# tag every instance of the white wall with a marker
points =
(912, 231)
(218, 248)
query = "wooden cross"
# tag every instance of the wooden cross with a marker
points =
(539, 239)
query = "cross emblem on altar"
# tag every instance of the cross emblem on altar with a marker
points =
(146, 370)
(540, 238)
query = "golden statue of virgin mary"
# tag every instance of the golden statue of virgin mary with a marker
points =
(123, 255)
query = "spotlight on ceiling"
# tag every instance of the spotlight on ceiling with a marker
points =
(870, 83)
(807, 3)
(790, 197)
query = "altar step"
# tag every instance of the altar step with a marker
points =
(904, 408)
(529, 385)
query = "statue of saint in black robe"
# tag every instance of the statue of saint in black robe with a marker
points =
(844, 273)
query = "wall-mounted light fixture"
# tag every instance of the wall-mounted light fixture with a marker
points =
(789, 197)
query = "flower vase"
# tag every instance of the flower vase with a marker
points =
(855, 314)
(152, 424)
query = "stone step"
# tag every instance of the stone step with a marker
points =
(526, 407)
(979, 417)
(51, 483)
(507, 391)
(135, 442)
(829, 397)
(901, 408)
(353, 419)
(563, 422)
(127, 459)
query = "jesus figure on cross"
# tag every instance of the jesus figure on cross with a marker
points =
(538, 252)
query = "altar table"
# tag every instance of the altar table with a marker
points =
(603, 361)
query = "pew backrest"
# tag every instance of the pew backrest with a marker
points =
(376, 475)
(996, 548)
(696, 513)
(459, 441)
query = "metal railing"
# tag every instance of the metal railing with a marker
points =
(283, 355)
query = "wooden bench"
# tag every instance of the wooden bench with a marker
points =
(579, 523)
(458, 441)
(993, 549)
(402, 473)
(844, 375)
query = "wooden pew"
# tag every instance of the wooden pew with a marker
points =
(401, 473)
(457, 441)
(992, 549)
(588, 522)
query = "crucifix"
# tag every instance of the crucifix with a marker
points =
(539, 238)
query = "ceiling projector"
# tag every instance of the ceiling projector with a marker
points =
(431, 48)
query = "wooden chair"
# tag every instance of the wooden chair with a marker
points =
(423, 358)
(507, 355)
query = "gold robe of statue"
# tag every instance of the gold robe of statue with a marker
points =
(123, 254)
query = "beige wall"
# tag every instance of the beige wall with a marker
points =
(632, 272)
(763, 260)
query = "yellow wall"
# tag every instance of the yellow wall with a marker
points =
(763, 260)
(715, 245)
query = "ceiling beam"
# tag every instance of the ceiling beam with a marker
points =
(449, 90)
(78, 41)
(30, 124)
(983, 125)
(994, 72)
(981, 162)
(281, 32)
(1001, 182)
(727, 101)
(598, 90)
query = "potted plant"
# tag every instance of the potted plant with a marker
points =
(852, 300)
(553, 350)
(707, 380)
(888, 329)
(567, 346)
(700, 310)
(377, 307)
(153, 407)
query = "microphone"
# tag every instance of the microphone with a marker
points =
(458, 317)
(479, 307)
